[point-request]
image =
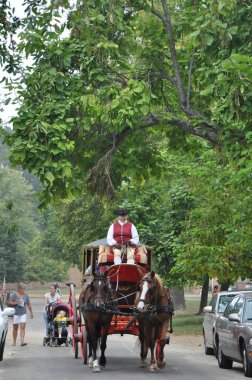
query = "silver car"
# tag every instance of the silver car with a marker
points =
(4, 314)
(233, 333)
(216, 307)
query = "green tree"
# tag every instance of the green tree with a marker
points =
(17, 226)
(70, 224)
(216, 240)
(128, 70)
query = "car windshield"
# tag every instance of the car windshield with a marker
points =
(248, 310)
(224, 300)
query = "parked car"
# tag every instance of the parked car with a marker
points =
(233, 334)
(216, 307)
(4, 314)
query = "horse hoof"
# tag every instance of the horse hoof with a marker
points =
(96, 369)
(152, 370)
(161, 364)
(143, 364)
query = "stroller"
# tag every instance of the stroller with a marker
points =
(54, 339)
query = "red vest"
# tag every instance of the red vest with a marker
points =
(122, 233)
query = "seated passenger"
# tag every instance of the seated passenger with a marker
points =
(121, 233)
(61, 320)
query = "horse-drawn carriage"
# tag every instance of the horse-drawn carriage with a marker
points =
(120, 299)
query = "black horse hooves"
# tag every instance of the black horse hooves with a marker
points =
(161, 364)
(102, 362)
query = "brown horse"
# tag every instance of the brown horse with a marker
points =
(92, 304)
(155, 310)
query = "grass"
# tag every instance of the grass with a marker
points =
(187, 322)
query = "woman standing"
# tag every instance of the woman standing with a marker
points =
(20, 301)
(52, 296)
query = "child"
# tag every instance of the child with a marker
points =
(61, 320)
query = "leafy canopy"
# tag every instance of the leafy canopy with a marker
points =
(114, 74)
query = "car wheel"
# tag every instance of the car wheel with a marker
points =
(215, 350)
(208, 350)
(2, 350)
(247, 366)
(223, 360)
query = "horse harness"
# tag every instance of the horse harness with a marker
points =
(154, 308)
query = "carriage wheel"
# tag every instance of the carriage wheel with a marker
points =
(84, 345)
(74, 320)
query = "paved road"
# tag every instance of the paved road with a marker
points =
(185, 359)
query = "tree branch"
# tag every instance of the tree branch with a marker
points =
(190, 79)
(203, 130)
(161, 74)
(183, 99)
(168, 28)
(101, 171)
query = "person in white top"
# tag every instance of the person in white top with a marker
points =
(50, 297)
(123, 233)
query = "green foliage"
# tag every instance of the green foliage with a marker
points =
(102, 78)
(41, 266)
(21, 257)
(196, 219)
(216, 239)
(17, 227)
(67, 226)
(116, 89)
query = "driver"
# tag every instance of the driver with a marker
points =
(120, 233)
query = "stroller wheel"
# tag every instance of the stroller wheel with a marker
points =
(50, 343)
(44, 341)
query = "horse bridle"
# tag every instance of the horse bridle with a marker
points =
(107, 285)
(153, 289)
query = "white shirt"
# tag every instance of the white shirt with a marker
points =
(134, 234)
(51, 299)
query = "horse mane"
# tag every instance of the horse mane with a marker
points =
(159, 283)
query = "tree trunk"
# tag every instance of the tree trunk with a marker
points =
(204, 295)
(178, 298)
